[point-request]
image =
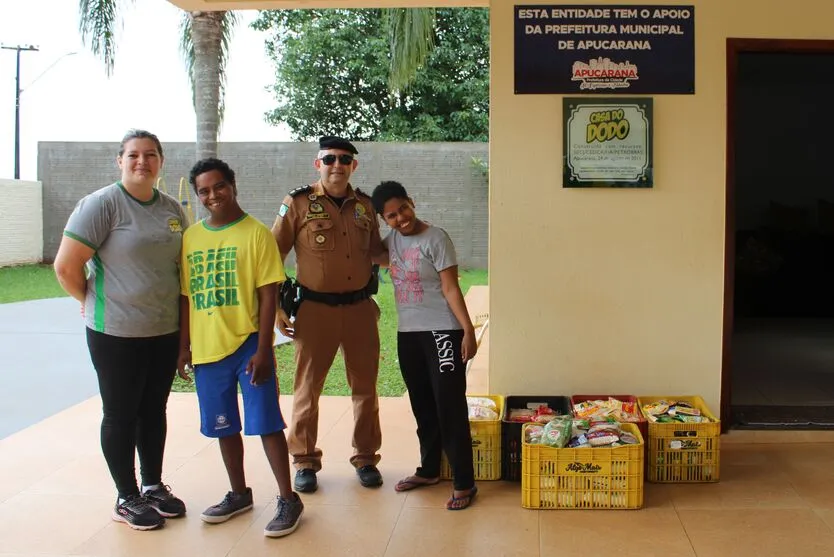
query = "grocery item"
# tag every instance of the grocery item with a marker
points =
(564, 431)
(556, 433)
(482, 408)
(671, 411)
(613, 410)
(534, 412)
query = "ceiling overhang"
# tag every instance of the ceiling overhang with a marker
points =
(223, 5)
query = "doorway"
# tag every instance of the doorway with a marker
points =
(779, 283)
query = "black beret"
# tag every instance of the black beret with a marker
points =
(333, 142)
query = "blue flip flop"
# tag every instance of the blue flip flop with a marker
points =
(460, 503)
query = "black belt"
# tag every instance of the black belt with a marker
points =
(341, 299)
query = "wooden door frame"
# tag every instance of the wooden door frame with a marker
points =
(734, 48)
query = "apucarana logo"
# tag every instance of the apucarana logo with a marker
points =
(603, 73)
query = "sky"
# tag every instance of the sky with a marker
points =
(74, 100)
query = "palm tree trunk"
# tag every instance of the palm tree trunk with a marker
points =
(207, 35)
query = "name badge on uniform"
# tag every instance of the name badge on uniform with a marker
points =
(313, 216)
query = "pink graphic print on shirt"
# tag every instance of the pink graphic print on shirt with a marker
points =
(405, 274)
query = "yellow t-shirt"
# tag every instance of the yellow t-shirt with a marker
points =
(221, 270)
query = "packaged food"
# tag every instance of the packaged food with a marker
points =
(557, 432)
(482, 408)
(521, 415)
(628, 438)
(656, 408)
(534, 434)
(602, 437)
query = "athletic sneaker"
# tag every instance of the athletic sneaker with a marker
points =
(165, 503)
(137, 513)
(231, 505)
(286, 518)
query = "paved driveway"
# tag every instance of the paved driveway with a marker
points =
(44, 363)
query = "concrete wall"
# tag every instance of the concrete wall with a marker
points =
(450, 191)
(21, 222)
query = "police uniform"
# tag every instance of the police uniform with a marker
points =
(334, 247)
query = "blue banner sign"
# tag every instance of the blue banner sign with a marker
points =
(605, 49)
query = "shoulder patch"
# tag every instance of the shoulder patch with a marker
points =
(299, 191)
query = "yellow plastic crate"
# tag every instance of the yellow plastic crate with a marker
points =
(586, 478)
(683, 453)
(486, 446)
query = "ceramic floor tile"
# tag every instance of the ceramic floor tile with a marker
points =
(462, 533)
(86, 475)
(22, 520)
(741, 487)
(815, 488)
(324, 530)
(637, 533)
(657, 496)
(339, 486)
(181, 536)
(490, 494)
(827, 516)
(763, 533)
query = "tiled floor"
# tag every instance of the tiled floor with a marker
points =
(776, 497)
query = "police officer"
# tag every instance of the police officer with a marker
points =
(335, 234)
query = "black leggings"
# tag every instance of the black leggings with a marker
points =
(435, 375)
(134, 378)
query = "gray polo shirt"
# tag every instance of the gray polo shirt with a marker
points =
(133, 283)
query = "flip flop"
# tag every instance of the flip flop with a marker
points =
(414, 482)
(460, 503)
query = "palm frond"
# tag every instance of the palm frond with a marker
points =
(228, 23)
(411, 38)
(98, 22)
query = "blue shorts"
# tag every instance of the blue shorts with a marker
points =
(217, 393)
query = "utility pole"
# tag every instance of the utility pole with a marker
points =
(17, 48)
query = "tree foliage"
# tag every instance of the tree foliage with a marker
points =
(332, 76)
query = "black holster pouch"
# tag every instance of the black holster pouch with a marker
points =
(373, 285)
(289, 296)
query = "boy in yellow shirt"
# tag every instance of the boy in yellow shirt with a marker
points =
(229, 272)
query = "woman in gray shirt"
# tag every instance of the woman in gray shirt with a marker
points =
(435, 338)
(127, 237)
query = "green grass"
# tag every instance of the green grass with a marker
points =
(28, 282)
(390, 381)
(34, 282)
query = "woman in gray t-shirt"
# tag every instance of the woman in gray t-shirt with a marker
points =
(128, 236)
(435, 338)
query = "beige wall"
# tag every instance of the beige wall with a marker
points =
(21, 222)
(608, 290)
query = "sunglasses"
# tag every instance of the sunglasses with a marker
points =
(343, 159)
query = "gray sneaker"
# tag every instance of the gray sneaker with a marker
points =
(231, 505)
(286, 517)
